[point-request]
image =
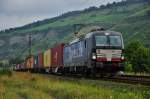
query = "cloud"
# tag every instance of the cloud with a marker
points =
(19, 12)
(15, 21)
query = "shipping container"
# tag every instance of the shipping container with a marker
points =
(47, 58)
(35, 62)
(22, 66)
(40, 60)
(30, 62)
(57, 55)
(17, 66)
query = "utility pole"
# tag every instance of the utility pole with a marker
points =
(30, 48)
(30, 44)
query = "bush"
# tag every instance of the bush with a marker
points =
(128, 67)
(138, 56)
(5, 72)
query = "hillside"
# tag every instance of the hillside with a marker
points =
(131, 17)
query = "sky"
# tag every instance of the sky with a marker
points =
(15, 13)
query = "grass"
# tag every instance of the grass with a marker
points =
(36, 86)
(5, 72)
(138, 74)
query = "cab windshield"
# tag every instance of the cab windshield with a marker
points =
(101, 40)
(112, 41)
(115, 40)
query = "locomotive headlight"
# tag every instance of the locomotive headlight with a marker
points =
(94, 56)
(122, 57)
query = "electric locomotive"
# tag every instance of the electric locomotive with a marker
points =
(99, 52)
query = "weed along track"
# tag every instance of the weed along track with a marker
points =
(130, 79)
(144, 80)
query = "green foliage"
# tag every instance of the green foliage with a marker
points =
(128, 67)
(138, 56)
(36, 86)
(16, 60)
(5, 68)
(5, 72)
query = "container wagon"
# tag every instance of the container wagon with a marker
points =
(35, 66)
(35, 62)
(29, 63)
(47, 60)
(57, 58)
(17, 67)
(22, 66)
(40, 62)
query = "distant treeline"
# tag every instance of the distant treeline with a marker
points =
(4, 65)
(5, 68)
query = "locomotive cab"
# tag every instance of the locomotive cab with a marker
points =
(106, 51)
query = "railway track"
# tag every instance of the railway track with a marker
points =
(131, 79)
(144, 80)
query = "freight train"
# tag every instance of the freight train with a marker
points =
(98, 52)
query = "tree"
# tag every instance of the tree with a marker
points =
(148, 13)
(138, 56)
(131, 52)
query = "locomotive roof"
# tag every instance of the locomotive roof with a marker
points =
(75, 40)
(110, 32)
(102, 33)
(95, 33)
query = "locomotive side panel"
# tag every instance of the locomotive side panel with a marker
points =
(67, 56)
(89, 50)
(77, 51)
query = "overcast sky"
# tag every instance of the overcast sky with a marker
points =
(14, 13)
